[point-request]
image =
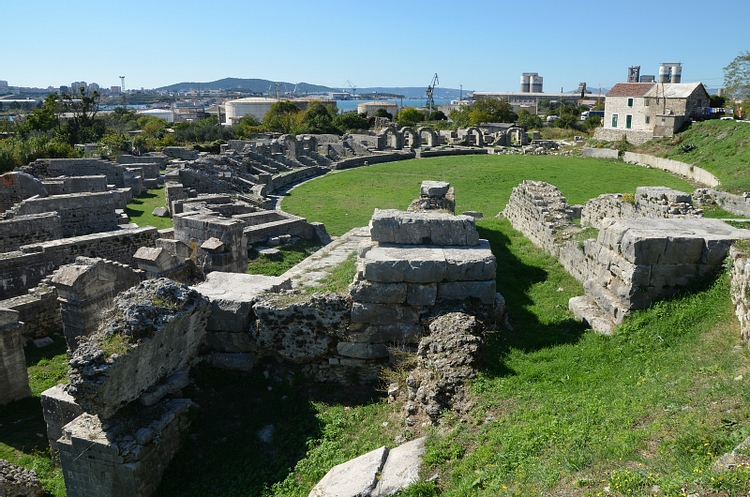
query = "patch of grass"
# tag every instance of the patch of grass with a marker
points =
(140, 208)
(346, 199)
(23, 432)
(721, 147)
(339, 279)
(288, 257)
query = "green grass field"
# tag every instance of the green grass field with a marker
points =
(721, 147)
(140, 208)
(483, 183)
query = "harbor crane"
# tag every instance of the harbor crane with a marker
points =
(353, 87)
(430, 91)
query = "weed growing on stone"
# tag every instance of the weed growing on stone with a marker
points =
(339, 279)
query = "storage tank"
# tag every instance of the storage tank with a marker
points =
(536, 84)
(676, 74)
(664, 73)
(525, 82)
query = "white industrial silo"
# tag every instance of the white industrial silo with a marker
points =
(536, 83)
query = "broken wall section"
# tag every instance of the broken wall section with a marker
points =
(14, 383)
(740, 287)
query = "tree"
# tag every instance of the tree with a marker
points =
(437, 115)
(318, 118)
(592, 122)
(460, 116)
(45, 119)
(282, 117)
(383, 113)
(409, 116)
(529, 120)
(717, 101)
(347, 121)
(83, 127)
(737, 77)
(491, 110)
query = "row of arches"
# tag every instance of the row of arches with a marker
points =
(392, 137)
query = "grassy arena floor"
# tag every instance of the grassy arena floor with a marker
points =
(483, 183)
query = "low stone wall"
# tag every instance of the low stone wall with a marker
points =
(645, 252)
(372, 159)
(636, 137)
(52, 168)
(38, 310)
(740, 288)
(14, 383)
(423, 154)
(16, 186)
(600, 153)
(218, 243)
(76, 184)
(80, 213)
(23, 230)
(25, 268)
(279, 181)
(655, 202)
(673, 166)
(736, 204)
(124, 457)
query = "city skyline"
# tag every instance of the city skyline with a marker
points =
(390, 44)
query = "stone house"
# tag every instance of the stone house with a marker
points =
(642, 111)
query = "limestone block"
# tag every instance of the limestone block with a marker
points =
(232, 296)
(156, 260)
(14, 382)
(357, 477)
(387, 333)
(360, 350)
(16, 481)
(434, 188)
(585, 310)
(401, 468)
(391, 264)
(421, 294)
(378, 293)
(470, 263)
(58, 408)
(422, 228)
(460, 290)
(173, 384)
(381, 314)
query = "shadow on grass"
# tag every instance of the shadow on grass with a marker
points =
(224, 438)
(21, 422)
(515, 279)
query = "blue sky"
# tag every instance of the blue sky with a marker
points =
(482, 45)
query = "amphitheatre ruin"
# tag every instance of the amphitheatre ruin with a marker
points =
(140, 307)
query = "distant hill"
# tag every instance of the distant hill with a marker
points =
(250, 85)
(268, 86)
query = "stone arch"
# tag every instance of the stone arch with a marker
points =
(474, 136)
(411, 138)
(432, 140)
(291, 147)
(517, 135)
(389, 137)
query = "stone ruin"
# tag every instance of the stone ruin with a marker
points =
(18, 482)
(648, 246)
(121, 417)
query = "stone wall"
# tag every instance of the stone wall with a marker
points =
(52, 168)
(16, 186)
(27, 267)
(217, 243)
(600, 153)
(673, 166)
(155, 329)
(80, 213)
(86, 289)
(76, 184)
(23, 230)
(736, 204)
(648, 201)
(740, 288)
(633, 261)
(636, 137)
(14, 383)
(38, 310)
(123, 457)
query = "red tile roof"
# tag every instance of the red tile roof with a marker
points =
(629, 89)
